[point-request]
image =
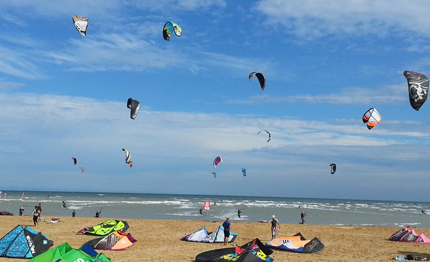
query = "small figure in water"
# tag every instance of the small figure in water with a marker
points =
(422, 211)
(21, 211)
(239, 212)
(73, 213)
(98, 213)
(302, 216)
(201, 211)
(64, 205)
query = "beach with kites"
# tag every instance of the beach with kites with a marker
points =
(214, 131)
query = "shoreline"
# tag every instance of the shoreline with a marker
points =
(159, 240)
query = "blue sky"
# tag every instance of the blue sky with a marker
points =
(63, 95)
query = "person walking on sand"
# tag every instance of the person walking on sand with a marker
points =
(21, 211)
(73, 213)
(35, 214)
(40, 211)
(302, 216)
(226, 226)
(275, 224)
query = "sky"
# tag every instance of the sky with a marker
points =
(63, 95)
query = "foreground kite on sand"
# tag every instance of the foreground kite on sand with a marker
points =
(296, 243)
(253, 251)
(24, 242)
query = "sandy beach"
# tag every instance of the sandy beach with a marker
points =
(159, 240)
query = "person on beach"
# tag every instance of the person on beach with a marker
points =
(21, 211)
(64, 205)
(275, 224)
(302, 216)
(40, 211)
(98, 213)
(73, 213)
(36, 213)
(226, 226)
(239, 212)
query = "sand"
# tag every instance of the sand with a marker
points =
(159, 240)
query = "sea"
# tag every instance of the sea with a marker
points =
(217, 208)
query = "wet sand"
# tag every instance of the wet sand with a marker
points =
(159, 240)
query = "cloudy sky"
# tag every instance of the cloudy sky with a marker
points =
(63, 95)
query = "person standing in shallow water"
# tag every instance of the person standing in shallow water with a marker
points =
(302, 216)
(275, 224)
(226, 226)
(73, 213)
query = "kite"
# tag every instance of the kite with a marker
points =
(333, 168)
(134, 107)
(217, 160)
(81, 24)
(260, 77)
(418, 85)
(75, 161)
(213, 173)
(170, 27)
(127, 157)
(82, 169)
(371, 118)
(270, 135)
(244, 171)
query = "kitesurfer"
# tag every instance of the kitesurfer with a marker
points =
(239, 212)
(302, 216)
(64, 205)
(422, 211)
(73, 213)
(201, 211)
(98, 213)
(226, 226)
(275, 224)
(21, 211)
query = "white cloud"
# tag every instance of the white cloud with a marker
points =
(353, 95)
(318, 18)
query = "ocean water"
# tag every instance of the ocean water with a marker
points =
(186, 207)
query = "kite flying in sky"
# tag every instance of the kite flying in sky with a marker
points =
(81, 24)
(418, 86)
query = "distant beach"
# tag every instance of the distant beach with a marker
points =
(159, 240)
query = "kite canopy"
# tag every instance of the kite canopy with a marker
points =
(409, 235)
(202, 235)
(244, 171)
(24, 242)
(217, 160)
(333, 168)
(66, 253)
(418, 86)
(81, 24)
(169, 28)
(371, 118)
(114, 241)
(127, 157)
(75, 161)
(214, 174)
(105, 228)
(270, 135)
(134, 107)
(260, 77)
(296, 243)
(253, 251)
